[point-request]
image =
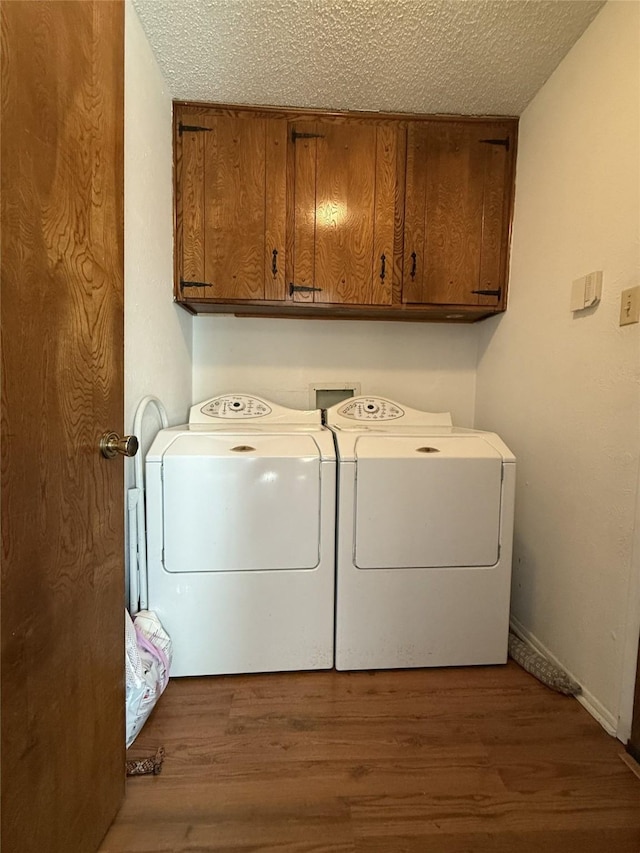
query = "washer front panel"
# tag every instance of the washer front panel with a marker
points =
(243, 504)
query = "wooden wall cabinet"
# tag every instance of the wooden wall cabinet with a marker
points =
(230, 206)
(457, 212)
(296, 213)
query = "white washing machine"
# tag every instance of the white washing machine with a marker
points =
(241, 536)
(424, 539)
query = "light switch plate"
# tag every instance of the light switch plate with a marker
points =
(630, 306)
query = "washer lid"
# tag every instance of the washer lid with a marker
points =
(426, 502)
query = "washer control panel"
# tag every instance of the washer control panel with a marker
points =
(371, 409)
(236, 407)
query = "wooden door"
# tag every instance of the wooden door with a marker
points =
(457, 209)
(344, 206)
(230, 194)
(62, 386)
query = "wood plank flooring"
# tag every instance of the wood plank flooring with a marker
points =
(468, 760)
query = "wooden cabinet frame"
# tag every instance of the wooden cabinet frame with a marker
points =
(357, 299)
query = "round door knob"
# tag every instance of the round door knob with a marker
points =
(111, 445)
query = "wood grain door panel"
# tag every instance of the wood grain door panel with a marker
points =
(190, 233)
(231, 216)
(386, 186)
(275, 209)
(415, 212)
(344, 212)
(345, 198)
(457, 209)
(303, 225)
(62, 503)
(234, 193)
(453, 227)
(496, 211)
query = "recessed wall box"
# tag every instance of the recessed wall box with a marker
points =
(586, 291)
(323, 395)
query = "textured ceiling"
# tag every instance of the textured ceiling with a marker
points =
(433, 56)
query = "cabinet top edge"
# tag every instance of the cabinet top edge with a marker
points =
(196, 107)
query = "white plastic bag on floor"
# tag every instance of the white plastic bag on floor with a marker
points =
(148, 623)
(147, 664)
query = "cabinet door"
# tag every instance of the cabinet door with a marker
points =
(230, 194)
(343, 207)
(457, 208)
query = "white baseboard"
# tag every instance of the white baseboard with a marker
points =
(606, 719)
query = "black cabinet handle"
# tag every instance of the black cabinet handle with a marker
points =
(413, 264)
(497, 293)
(274, 263)
(382, 269)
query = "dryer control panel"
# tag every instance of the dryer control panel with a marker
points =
(236, 406)
(227, 409)
(371, 409)
(378, 413)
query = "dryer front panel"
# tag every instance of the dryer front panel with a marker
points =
(241, 503)
(426, 502)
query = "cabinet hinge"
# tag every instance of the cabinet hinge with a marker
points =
(503, 142)
(295, 135)
(184, 284)
(302, 288)
(497, 293)
(191, 128)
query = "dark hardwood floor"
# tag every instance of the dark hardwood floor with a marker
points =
(470, 760)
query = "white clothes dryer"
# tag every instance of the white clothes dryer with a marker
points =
(424, 539)
(241, 535)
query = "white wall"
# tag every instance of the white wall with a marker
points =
(563, 390)
(158, 334)
(424, 365)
